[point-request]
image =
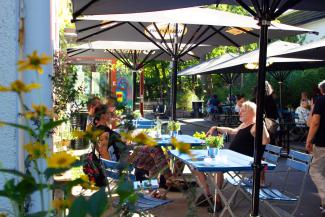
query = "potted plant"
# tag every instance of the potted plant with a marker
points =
(214, 143)
(173, 127)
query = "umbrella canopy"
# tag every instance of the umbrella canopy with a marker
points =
(133, 54)
(193, 26)
(248, 62)
(313, 50)
(90, 7)
(264, 11)
(169, 29)
(199, 68)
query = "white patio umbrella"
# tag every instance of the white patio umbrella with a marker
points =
(248, 62)
(91, 7)
(263, 10)
(312, 50)
(134, 55)
(169, 29)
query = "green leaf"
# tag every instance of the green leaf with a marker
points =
(14, 172)
(98, 203)
(49, 126)
(78, 208)
(23, 127)
(49, 172)
(124, 190)
(37, 214)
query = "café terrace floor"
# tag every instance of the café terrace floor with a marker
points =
(180, 206)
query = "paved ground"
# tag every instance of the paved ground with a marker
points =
(309, 206)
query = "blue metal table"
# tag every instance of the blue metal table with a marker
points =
(226, 161)
(143, 123)
(165, 140)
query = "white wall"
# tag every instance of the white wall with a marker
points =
(8, 73)
(38, 32)
(318, 26)
(38, 36)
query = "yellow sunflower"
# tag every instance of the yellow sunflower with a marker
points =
(19, 86)
(144, 139)
(36, 150)
(42, 109)
(78, 134)
(60, 160)
(61, 204)
(181, 146)
(33, 62)
(88, 184)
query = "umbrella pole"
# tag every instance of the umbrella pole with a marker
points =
(257, 166)
(134, 80)
(174, 88)
(280, 92)
(142, 92)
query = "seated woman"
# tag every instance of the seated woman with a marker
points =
(150, 159)
(303, 113)
(243, 142)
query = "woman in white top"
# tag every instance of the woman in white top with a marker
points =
(303, 112)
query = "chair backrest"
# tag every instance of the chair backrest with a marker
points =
(161, 109)
(112, 169)
(272, 153)
(144, 124)
(299, 161)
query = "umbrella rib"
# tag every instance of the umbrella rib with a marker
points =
(274, 5)
(145, 61)
(72, 50)
(94, 26)
(79, 12)
(101, 31)
(200, 42)
(80, 52)
(135, 59)
(126, 57)
(175, 40)
(226, 37)
(141, 64)
(182, 36)
(245, 6)
(147, 37)
(125, 62)
(171, 40)
(288, 4)
(161, 37)
(257, 7)
(192, 37)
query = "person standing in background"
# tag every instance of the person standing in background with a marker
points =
(92, 104)
(315, 144)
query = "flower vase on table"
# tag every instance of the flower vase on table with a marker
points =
(173, 127)
(214, 143)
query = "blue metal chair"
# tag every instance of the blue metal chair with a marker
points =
(271, 197)
(271, 155)
(144, 202)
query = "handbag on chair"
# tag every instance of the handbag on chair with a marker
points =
(94, 169)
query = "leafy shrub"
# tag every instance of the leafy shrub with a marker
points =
(185, 99)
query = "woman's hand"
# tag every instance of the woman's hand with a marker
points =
(211, 131)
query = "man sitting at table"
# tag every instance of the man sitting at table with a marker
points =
(243, 142)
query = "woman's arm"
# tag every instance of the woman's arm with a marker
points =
(266, 135)
(231, 131)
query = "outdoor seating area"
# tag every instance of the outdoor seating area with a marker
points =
(162, 108)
